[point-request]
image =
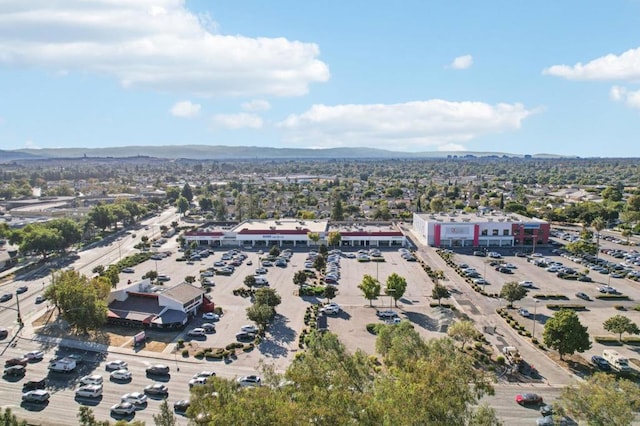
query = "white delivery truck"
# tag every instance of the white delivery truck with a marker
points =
(616, 360)
(64, 365)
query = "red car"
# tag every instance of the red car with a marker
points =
(16, 361)
(529, 399)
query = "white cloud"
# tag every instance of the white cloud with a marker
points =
(31, 145)
(410, 126)
(622, 94)
(162, 46)
(238, 121)
(462, 62)
(185, 109)
(256, 105)
(609, 67)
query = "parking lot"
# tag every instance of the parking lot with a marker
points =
(282, 336)
(548, 283)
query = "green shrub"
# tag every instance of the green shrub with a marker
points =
(556, 306)
(217, 310)
(612, 297)
(180, 343)
(185, 352)
(619, 307)
(199, 354)
(607, 340)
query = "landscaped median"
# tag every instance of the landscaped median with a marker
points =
(515, 324)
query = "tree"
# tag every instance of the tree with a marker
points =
(337, 213)
(187, 192)
(319, 263)
(334, 238)
(620, 324)
(314, 237)
(440, 292)
(250, 281)
(69, 229)
(190, 279)
(602, 400)
(7, 418)
(396, 286)
(436, 205)
(41, 240)
(330, 291)
(78, 302)
(166, 416)
(98, 269)
(370, 288)
(182, 204)
(564, 333)
(267, 296)
(463, 331)
(299, 278)
(274, 251)
(151, 274)
(512, 291)
(261, 314)
(598, 224)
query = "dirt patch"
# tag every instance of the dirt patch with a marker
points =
(573, 363)
(49, 324)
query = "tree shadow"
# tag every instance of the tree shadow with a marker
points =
(422, 320)
(280, 335)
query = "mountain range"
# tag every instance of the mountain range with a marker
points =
(221, 152)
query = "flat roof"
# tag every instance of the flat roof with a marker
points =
(285, 226)
(183, 292)
(366, 228)
(493, 216)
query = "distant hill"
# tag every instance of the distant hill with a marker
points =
(220, 152)
(8, 156)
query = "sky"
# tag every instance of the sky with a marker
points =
(519, 77)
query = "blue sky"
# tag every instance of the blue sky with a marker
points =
(498, 76)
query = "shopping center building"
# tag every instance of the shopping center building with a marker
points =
(484, 229)
(298, 233)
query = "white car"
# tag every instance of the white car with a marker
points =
(116, 365)
(249, 329)
(527, 284)
(524, 312)
(34, 355)
(136, 398)
(92, 379)
(197, 381)
(123, 408)
(121, 374)
(392, 321)
(197, 332)
(249, 381)
(89, 391)
(386, 314)
(210, 316)
(205, 373)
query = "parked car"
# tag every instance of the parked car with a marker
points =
(205, 373)
(607, 289)
(122, 374)
(526, 284)
(93, 379)
(123, 408)
(197, 332)
(16, 361)
(163, 278)
(529, 399)
(249, 381)
(249, 329)
(89, 391)
(40, 298)
(156, 389)
(181, 406)
(208, 327)
(34, 355)
(210, 316)
(116, 365)
(136, 398)
(601, 363)
(15, 371)
(34, 384)
(158, 369)
(196, 381)
(4, 333)
(386, 314)
(393, 321)
(38, 395)
(524, 312)
(128, 270)
(583, 296)
(244, 336)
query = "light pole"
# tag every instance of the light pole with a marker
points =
(535, 311)
(18, 309)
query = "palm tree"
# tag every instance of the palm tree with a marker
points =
(598, 224)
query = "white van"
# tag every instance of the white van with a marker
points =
(260, 280)
(89, 391)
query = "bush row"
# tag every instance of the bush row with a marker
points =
(550, 296)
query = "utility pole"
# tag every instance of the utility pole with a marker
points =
(20, 323)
